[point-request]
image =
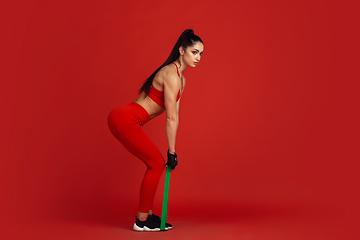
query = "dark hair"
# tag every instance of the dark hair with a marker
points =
(186, 39)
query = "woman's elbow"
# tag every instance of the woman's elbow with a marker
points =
(172, 118)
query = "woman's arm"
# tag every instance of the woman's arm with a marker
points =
(171, 89)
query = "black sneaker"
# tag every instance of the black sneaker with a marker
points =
(156, 218)
(149, 225)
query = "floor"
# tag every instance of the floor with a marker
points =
(253, 223)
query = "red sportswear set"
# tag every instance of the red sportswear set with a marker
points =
(125, 124)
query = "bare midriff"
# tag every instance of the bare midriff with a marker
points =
(152, 108)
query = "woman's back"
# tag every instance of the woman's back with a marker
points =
(167, 73)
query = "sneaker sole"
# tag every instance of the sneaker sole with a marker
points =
(145, 229)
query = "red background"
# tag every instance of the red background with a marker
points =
(269, 121)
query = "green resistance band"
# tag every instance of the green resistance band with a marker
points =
(165, 199)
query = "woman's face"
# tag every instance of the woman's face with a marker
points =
(192, 54)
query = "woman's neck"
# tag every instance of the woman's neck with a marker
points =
(182, 66)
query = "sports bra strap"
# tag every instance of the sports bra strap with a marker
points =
(177, 69)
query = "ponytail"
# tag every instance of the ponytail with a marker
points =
(186, 39)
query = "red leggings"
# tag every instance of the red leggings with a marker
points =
(125, 124)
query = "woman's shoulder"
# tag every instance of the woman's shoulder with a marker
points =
(167, 72)
(169, 69)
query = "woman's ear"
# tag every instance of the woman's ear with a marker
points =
(181, 50)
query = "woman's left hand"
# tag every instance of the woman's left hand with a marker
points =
(172, 160)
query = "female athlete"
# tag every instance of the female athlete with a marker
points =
(160, 93)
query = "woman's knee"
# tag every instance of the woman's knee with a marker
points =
(158, 165)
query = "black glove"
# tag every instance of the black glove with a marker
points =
(172, 160)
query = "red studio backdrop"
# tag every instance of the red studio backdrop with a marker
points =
(269, 120)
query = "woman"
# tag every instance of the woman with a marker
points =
(161, 92)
